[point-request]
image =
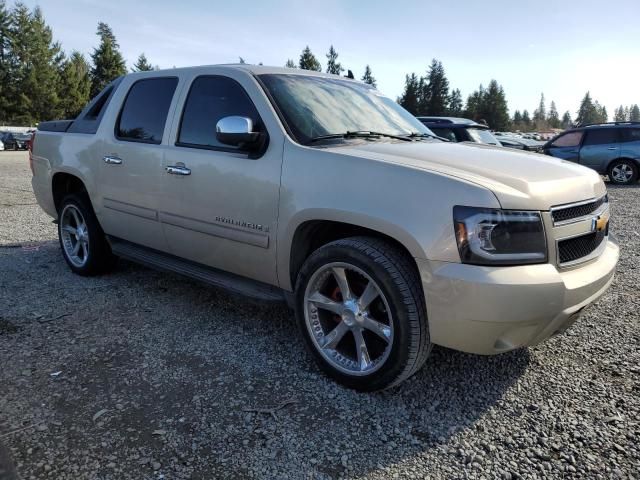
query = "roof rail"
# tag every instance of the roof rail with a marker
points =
(626, 122)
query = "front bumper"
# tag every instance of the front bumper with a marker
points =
(489, 310)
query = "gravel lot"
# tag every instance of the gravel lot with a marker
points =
(146, 375)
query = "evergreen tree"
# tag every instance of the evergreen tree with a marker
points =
(627, 113)
(587, 112)
(516, 122)
(411, 95)
(240, 60)
(553, 119)
(108, 63)
(290, 64)
(333, 66)
(436, 90)
(634, 113)
(540, 113)
(75, 85)
(6, 91)
(35, 67)
(368, 77)
(473, 109)
(143, 65)
(526, 120)
(601, 112)
(494, 107)
(308, 61)
(455, 103)
(566, 120)
(619, 115)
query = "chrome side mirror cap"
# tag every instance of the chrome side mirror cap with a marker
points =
(237, 131)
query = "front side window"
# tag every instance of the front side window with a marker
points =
(447, 133)
(571, 139)
(313, 106)
(210, 99)
(145, 110)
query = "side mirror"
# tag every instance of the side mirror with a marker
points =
(238, 132)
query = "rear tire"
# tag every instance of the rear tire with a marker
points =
(83, 243)
(376, 334)
(623, 172)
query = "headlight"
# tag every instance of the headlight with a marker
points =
(499, 237)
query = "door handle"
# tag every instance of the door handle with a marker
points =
(112, 160)
(612, 148)
(178, 170)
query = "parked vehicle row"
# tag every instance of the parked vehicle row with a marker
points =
(388, 239)
(15, 141)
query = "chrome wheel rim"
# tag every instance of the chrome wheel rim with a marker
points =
(74, 234)
(348, 318)
(622, 173)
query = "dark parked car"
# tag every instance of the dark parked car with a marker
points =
(520, 143)
(611, 149)
(15, 141)
(459, 130)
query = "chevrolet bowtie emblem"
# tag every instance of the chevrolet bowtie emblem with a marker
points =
(599, 223)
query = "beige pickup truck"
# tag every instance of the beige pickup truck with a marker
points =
(284, 184)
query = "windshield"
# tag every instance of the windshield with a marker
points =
(481, 135)
(316, 106)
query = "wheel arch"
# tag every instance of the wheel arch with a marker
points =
(64, 183)
(309, 234)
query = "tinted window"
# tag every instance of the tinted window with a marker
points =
(601, 136)
(145, 110)
(631, 135)
(444, 133)
(209, 100)
(571, 139)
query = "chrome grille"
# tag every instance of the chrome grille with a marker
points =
(564, 214)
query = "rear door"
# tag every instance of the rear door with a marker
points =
(630, 143)
(130, 160)
(566, 146)
(599, 147)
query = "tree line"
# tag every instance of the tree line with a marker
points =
(429, 95)
(39, 81)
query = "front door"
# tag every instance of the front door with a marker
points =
(131, 164)
(220, 204)
(566, 146)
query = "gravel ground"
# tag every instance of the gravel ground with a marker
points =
(146, 375)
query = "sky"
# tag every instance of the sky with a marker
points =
(559, 48)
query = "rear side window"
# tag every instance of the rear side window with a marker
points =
(631, 135)
(145, 110)
(210, 99)
(571, 139)
(601, 136)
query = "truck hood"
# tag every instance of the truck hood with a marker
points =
(520, 180)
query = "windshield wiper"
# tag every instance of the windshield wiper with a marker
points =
(426, 135)
(358, 134)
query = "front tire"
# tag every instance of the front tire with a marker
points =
(623, 172)
(361, 311)
(83, 243)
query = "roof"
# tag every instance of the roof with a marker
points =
(254, 69)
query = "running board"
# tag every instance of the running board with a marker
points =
(218, 278)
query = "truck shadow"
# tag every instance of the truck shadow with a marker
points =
(206, 368)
